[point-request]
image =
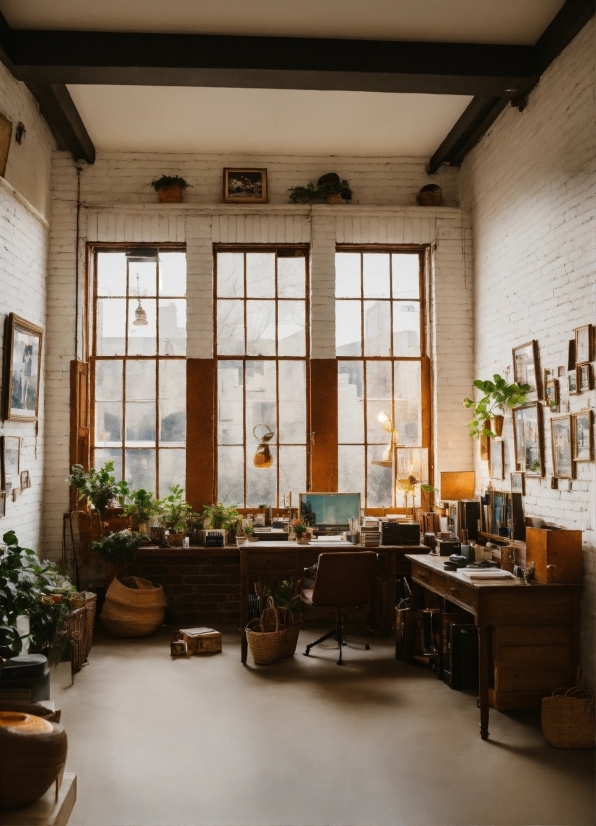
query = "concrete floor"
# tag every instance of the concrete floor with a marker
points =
(163, 742)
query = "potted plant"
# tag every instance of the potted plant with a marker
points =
(169, 188)
(328, 188)
(220, 517)
(497, 395)
(118, 550)
(300, 528)
(174, 514)
(97, 486)
(142, 507)
(249, 533)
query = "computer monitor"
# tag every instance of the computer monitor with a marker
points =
(329, 510)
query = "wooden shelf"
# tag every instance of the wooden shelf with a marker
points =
(49, 809)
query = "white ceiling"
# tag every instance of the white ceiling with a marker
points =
(480, 21)
(265, 121)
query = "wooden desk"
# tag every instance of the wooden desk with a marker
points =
(528, 635)
(290, 559)
(49, 809)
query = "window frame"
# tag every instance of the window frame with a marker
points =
(300, 251)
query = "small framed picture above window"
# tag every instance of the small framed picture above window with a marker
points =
(561, 447)
(583, 439)
(585, 378)
(245, 186)
(525, 366)
(584, 337)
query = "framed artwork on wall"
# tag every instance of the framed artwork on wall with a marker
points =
(11, 461)
(245, 186)
(5, 136)
(525, 366)
(496, 459)
(572, 383)
(22, 369)
(25, 479)
(551, 394)
(561, 447)
(518, 482)
(527, 438)
(582, 436)
(584, 377)
(583, 344)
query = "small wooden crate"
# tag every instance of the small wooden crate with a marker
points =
(206, 643)
(556, 554)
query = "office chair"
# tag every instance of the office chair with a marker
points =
(343, 580)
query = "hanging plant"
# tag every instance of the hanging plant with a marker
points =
(498, 395)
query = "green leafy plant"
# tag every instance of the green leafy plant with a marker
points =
(318, 192)
(285, 592)
(219, 516)
(248, 530)
(169, 180)
(497, 395)
(120, 547)
(35, 588)
(174, 511)
(299, 527)
(142, 505)
(97, 485)
(123, 492)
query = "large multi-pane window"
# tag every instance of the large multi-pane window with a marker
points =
(379, 347)
(261, 347)
(139, 366)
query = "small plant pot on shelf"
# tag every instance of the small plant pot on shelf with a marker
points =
(176, 540)
(336, 198)
(497, 425)
(170, 194)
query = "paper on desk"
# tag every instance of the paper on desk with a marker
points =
(331, 539)
(487, 573)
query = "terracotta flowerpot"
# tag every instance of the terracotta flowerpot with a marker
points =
(170, 194)
(301, 540)
(497, 425)
(32, 755)
(334, 199)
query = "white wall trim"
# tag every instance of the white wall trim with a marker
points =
(24, 202)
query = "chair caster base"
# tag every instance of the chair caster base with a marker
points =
(340, 662)
(306, 654)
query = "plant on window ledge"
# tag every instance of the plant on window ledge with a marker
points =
(173, 510)
(142, 506)
(497, 396)
(219, 516)
(97, 486)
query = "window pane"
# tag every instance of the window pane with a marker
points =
(140, 403)
(292, 402)
(172, 327)
(347, 328)
(406, 275)
(172, 403)
(379, 479)
(260, 399)
(230, 328)
(261, 482)
(111, 273)
(141, 339)
(291, 277)
(408, 412)
(350, 393)
(230, 475)
(351, 470)
(172, 470)
(111, 327)
(377, 328)
(103, 455)
(172, 273)
(292, 471)
(291, 328)
(406, 328)
(140, 469)
(260, 328)
(378, 391)
(347, 275)
(108, 424)
(230, 274)
(108, 380)
(140, 380)
(260, 274)
(230, 403)
(142, 278)
(375, 267)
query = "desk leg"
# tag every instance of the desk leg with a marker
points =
(483, 680)
(243, 618)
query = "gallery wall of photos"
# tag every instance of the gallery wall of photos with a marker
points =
(559, 405)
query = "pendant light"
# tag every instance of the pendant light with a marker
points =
(263, 458)
(140, 314)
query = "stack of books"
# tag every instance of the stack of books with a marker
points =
(370, 536)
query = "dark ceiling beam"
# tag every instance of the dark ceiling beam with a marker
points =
(120, 58)
(62, 116)
(483, 111)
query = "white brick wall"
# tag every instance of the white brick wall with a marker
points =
(24, 196)
(530, 190)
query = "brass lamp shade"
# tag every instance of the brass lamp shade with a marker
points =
(263, 457)
(457, 485)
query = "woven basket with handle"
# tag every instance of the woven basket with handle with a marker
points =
(292, 624)
(568, 720)
(266, 643)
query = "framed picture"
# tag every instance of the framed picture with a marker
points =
(572, 383)
(571, 354)
(560, 429)
(525, 366)
(527, 437)
(560, 372)
(2, 503)
(23, 342)
(518, 482)
(551, 394)
(583, 344)
(25, 480)
(581, 431)
(5, 136)
(245, 186)
(584, 377)
(496, 459)
(11, 460)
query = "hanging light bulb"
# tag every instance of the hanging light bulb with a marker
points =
(263, 458)
(140, 314)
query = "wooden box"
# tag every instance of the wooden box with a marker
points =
(556, 554)
(201, 640)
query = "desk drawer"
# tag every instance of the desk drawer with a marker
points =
(269, 560)
(422, 574)
(455, 591)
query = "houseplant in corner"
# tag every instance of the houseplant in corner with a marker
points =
(99, 488)
(169, 188)
(118, 549)
(174, 513)
(497, 395)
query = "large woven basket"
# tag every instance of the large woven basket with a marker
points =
(290, 622)
(266, 646)
(568, 720)
(134, 607)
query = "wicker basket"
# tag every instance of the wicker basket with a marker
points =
(291, 623)
(90, 610)
(266, 646)
(133, 607)
(75, 624)
(568, 720)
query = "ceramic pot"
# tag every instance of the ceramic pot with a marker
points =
(32, 755)
(170, 194)
(497, 425)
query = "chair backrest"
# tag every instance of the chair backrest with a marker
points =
(344, 578)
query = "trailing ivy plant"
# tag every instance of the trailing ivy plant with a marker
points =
(497, 395)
